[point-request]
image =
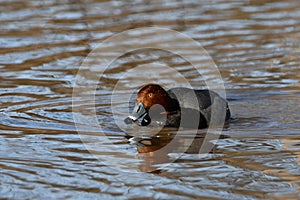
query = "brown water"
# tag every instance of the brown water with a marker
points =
(256, 46)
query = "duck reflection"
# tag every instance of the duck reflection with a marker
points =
(158, 150)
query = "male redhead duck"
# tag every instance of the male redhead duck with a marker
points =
(179, 107)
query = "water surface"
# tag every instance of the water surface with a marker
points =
(255, 45)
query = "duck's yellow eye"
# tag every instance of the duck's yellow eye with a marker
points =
(150, 95)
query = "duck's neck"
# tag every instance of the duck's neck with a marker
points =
(172, 107)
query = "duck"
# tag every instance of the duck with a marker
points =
(179, 107)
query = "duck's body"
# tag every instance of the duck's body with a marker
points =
(179, 107)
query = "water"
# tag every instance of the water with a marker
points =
(255, 45)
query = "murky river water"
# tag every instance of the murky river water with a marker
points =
(256, 46)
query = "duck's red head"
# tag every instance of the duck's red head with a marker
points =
(153, 94)
(149, 96)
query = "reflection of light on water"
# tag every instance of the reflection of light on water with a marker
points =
(291, 171)
(292, 145)
(42, 45)
(160, 152)
(153, 73)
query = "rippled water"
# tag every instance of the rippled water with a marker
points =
(255, 45)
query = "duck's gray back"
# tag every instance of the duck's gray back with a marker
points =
(213, 107)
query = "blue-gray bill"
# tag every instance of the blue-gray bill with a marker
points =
(139, 114)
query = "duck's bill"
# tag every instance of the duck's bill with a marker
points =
(142, 121)
(138, 112)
